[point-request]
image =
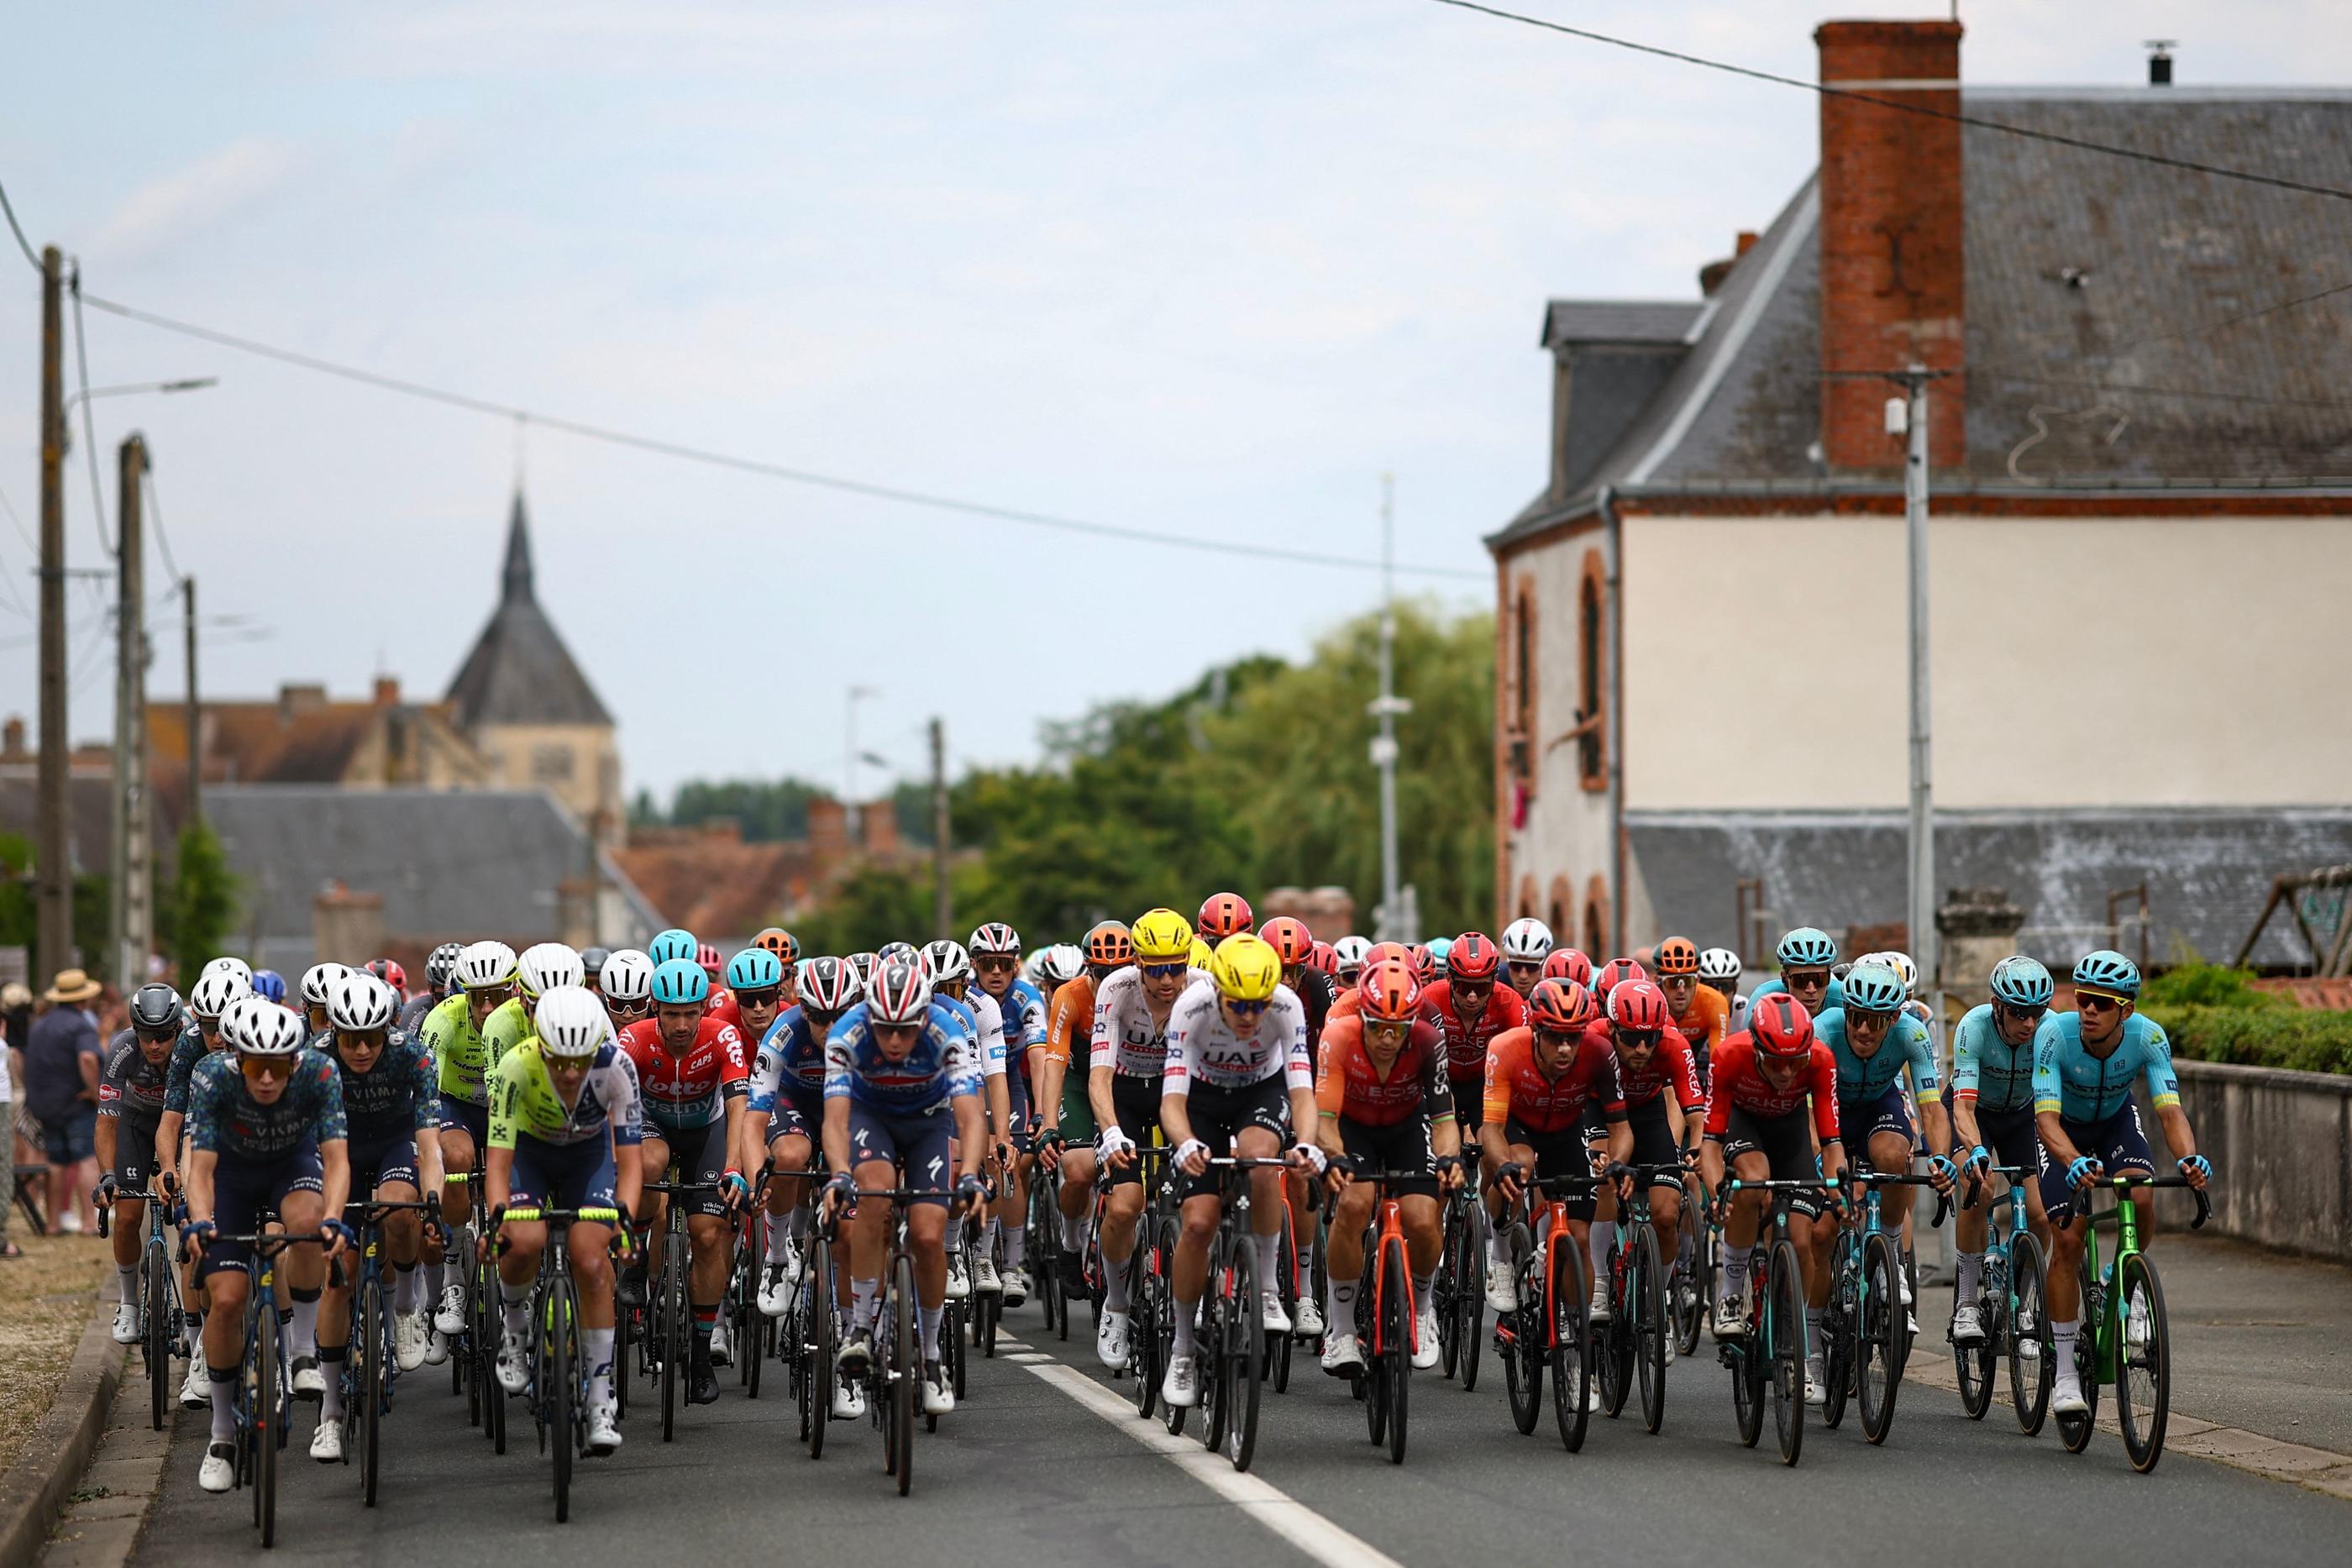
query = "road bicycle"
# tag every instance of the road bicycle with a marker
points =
(1769, 1360)
(2126, 1340)
(752, 1331)
(1230, 1345)
(1865, 1338)
(893, 1378)
(1387, 1323)
(264, 1381)
(159, 1296)
(668, 1345)
(1545, 1338)
(1459, 1291)
(559, 1371)
(1690, 1280)
(1631, 1347)
(367, 1370)
(473, 1357)
(1042, 1247)
(2012, 1292)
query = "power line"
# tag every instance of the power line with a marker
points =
(18, 230)
(1976, 121)
(679, 450)
(89, 426)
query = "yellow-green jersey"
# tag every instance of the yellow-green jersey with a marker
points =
(525, 1102)
(508, 1026)
(458, 1050)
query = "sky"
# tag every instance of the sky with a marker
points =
(1201, 267)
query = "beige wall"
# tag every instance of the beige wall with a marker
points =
(1567, 828)
(2077, 660)
(588, 781)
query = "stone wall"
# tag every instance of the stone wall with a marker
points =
(2280, 1144)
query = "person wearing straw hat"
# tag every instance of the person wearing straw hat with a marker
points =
(61, 1065)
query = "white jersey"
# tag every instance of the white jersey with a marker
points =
(988, 1029)
(1125, 1037)
(1203, 1050)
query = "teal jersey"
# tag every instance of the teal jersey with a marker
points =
(1987, 1069)
(1905, 1048)
(2085, 1088)
(1831, 999)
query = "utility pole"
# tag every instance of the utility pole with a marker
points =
(52, 851)
(133, 925)
(940, 912)
(1396, 921)
(195, 713)
(1921, 903)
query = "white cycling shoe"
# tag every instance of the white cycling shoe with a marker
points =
(1730, 1321)
(411, 1340)
(1271, 1310)
(449, 1317)
(218, 1472)
(1502, 1290)
(959, 1282)
(1817, 1381)
(2066, 1398)
(126, 1324)
(603, 1428)
(848, 1402)
(327, 1442)
(1342, 1355)
(776, 1287)
(722, 1351)
(939, 1396)
(1182, 1387)
(984, 1277)
(1426, 1349)
(514, 1364)
(1311, 1321)
(196, 1388)
(1968, 1325)
(1111, 1341)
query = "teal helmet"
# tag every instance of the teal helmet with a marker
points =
(672, 943)
(1874, 989)
(2022, 982)
(1806, 948)
(680, 983)
(2107, 970)
(754, 970)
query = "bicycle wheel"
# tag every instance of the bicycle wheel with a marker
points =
(1645, 1303)
(1243, 1356)
(486, 1362)
(1974, 1363)
(672, 1331)
(1396, 1349)
(814, 1343)
(1784, 1326)
(1612, 1342)
(1163, 1255)
(1444, 1290)
(1878, 1336)
(1286, 1274)
(556, 1392)
(1519, 1340)
(1370, 1387)
(2143, 1363)
(161, 1324)
(269, 1410)
(905, 1369)
(1747, 1356)
(368, 1380)
(2074, 1431)
(1470, 1301)
(1147, 1351)
(1568, 1351)
(1685, 1301)
(2033, 1359)
(1211, 1339)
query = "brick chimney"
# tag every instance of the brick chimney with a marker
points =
(828, 833)
(1892, 262)
(387, 691)
(878, 828)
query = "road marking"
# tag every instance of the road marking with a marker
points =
(1260, 1499)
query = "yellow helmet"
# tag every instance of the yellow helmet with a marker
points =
(1202, 954)
(1163, 936)
(1245, 967)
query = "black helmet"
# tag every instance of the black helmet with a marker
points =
(592, 959)
(155, 1010)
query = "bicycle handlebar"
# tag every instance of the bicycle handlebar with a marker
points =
(2128, 1180)
(1904, 1178)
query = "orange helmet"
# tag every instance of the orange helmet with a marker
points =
(1560, 1007)
(1290, 939)
(1224, 914)
(782, 943)
(1567, 963)
(1677, 956)
(1391, 993)
(1380, 950)
(1110, 946)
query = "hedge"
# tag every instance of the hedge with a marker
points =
(2299, 1038)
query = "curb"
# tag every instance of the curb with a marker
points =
(39, 1484)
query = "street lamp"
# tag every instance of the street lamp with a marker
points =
(90, 394)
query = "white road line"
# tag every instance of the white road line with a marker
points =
(1270, 1505)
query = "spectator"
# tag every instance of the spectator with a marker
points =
(10, 1071)
(61, 1065)
(16, 1005)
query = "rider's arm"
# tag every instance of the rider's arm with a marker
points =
(836, 1133)
(107, 1135)
(628, 1175)
(201, 1167)
(971, 1142)
(335, 1175)
(2049, 1092)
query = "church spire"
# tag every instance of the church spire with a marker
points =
(517, 584)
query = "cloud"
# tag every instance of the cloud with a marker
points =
(171, 208)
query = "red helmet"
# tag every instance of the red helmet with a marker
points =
(1560, 1007)
(712, 964)
(1615, 973)
(1224, 914)
(1567, 963)
(1390, 991)
(1289, 938)
(1380, 950)
(1677, 955)
(1425, 965)
(1474, 957)
(1779, 1025)
(1325, 958)
(389, 971)
(1638, 1005)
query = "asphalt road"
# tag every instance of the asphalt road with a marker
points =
(1040, 1464)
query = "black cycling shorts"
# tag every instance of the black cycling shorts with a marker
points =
(1217, 1115)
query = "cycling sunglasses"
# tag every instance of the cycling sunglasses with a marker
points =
(1636, 1038)
(1163, 971)
(997, 964)
(817, 1021)
(2024, 1015)
(761, 999)
(1248, 1009)
(267, 1068)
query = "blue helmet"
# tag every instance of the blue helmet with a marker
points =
(1874, 989)
(672, 943)
(269, 985)
(754, 970)
(2021, 982)
(680, 983)
(2107, 970)
(1806, 948)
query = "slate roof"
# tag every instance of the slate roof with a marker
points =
(2208, 869)
(520, 672)
(2091, 280)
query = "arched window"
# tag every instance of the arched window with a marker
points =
(1590, 651)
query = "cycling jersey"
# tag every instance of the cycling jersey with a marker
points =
(1125, 1039)
(1708, 1021)
(1316, 993)
(458, 1050)
(128, 1085)
(790, 1062)
(186, 1051)
(1671, 1066)
(685, 1091)
(1905, 1048)
(2081, 1086)
(1204, 1050)
(411, 1021)
(1349, 1086)
(226, 1119)
(1740, 1081)
(1987, 1069)
(525, 1102)
(1466, 1040)
(1022, 1008)
(942, 1064)
(394, 1098)
(983, 1022)
(507, 1027)
(1070, 1021)
(1517, 1089)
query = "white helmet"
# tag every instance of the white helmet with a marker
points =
(945, 962)
(261, 1027)
(486, 965)
(627, 975)
(1060, 964)
(360, 1002)
(319, 982)
(238, 967)
(216, 989)
(547, 966)
(1719, 964)
(1904, 969)
(1527, 940)
(571, 1022)
(1349, 951)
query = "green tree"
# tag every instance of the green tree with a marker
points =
(199, 909)
(768, 810)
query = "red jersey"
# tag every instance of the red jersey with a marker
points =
(1518, 1089)
(1671, 1065)
(1349, 1086)
(1738, 1080)
(687, 1091)
(1467, 1045)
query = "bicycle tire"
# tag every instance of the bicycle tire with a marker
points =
(1525, 1362)
(1647, 1306)
(2143, 1374)
(1613, 1343)
(1878, 1338)
(269, 1418)
(1839, 1315)
(907, 1359)
(1245, 1356)
(1172, 1417)
(1369, 1386)
(1747, 1356)
(162, 1322)
(674, 1332)
(558, 1394)
(1210, 1372)
(816, 1342)
(1973, 1365)
(2027, 1313)
(1396, 1351)
(1470, 1301)
(367, 1353)
(1685, 1296)
(1785, 1322)
(1278, 1347)
(1444, 1290)
(2074, 1431)
(1568, 1290)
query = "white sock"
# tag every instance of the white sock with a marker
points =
(1267, 1245)
(302, 1333)
(126, 1276)
(797, 1223)
(1074, 1233)
(1421, 1285)
(1115, 1294)
(330, 1367)
(223, 1391)
(1184, 1311)
(1734, 1277)
(1812, 1330)
(596, 1345)
(2062, 1337)
(1968, 1272)
(406, 1286)
(929, 1319)
(1498, 1261)
(780, 1237)
(1016, 1246)
(1340, 1304)
(864, 1301)
(1605, 1232)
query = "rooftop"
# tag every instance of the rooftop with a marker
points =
(520, 672)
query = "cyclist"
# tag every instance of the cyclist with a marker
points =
(948, 965)
(674, 943)
(1066, 1141)
(564, 1118)
(1698, 1009)
(1223, 914)
(1570, 964)
(224, 982)
(995, 950)
(1756, 1126)
(319, 982)
(785, 1111)
(1663, 1106)
(542, 967)
(1127, 1063)
(1293, 943)
(440, 965)
(269, 986)
(756, 984)
(1383, 1102)
(1720, 970)
(265, 1123)
(1526, 943)
(592, 969)
(626, 986)
(1992, 1119)
(392, 1108)
(1351, 1000)
(1471, 1011)
(1347, 955)
(2084, 1064)
(131, 1088)
(485, 978)
(1236, 1042)
(691, 1081)
(901, 1102)
(1806, 956)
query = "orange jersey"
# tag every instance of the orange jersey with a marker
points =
(1518, 1088)
(1708, 1021)
(1348, 1083)
(1071, 1020)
